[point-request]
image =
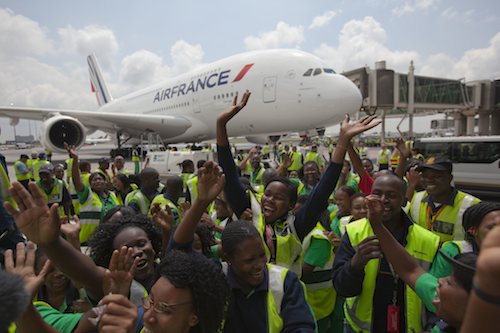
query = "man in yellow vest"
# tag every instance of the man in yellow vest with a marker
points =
(42, 161)
(440, 207)
(297, 160)
(54, 190)
(362, 150)
(313, 155)
(383, 157)
(23, 174)
(30, 162)
(376, 299)
(141, 199)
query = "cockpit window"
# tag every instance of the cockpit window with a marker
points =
(317, 71)
(328, 71)
(308, 72)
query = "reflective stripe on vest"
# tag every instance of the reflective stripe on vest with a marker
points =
(288, 245)
(90, 214)
(56, 193)
(421, 244)
(449, 215)
(140, 199)
(192, 186)
(319, 286)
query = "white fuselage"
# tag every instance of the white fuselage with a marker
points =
(283, 99)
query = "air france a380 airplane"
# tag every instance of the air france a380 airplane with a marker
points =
(291, 91)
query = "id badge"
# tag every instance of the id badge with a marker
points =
(392, 318)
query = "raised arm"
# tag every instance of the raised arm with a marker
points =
(404, 154)
(210, 184)
(75, 168)
(310, 212)
(404, 264)
(237, 197)
(42, 226)
(357, 165)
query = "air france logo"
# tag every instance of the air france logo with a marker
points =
(201, 83)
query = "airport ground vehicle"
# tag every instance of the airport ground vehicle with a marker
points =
(476, 161)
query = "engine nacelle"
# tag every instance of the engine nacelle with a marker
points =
(58, 130)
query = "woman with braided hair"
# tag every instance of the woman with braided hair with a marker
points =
(478, 220)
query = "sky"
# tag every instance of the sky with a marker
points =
(43, 44)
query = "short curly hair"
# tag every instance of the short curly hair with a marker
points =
(101, 242)
(205, 280)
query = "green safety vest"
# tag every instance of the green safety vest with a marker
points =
(448, 221)
(56, 193)
(140, 199)
(192, 186)
(90, 214)
(314, 156)
(4, 187)
(361, 152)
(421, 244)
(29, 165)
(463, 246)
(383, 156)
(296, 161)
(21, 176)
(288, 245)
(256, 177)
(344, 221)
(69, 169)
(320, 293)
(166, 202)
(36, 167)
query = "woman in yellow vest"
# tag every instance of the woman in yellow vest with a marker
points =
(122, 187)
(95, 200)
(265, 297)
(282, 230)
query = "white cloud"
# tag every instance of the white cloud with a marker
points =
(452, 14)
(90, 39)
(20, 35)
(322, 20)
(475, 64)
(185, 56)
(363, 43)
(283, 35)
(412, 6)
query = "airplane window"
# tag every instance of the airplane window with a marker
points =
(328, 71)
(317, 71)
(308, 72)
(232, 94)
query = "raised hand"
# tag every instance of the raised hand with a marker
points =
(286, 160)
(71, 150)
(349, 129)
(403, 148)
(333, 238)
(413, 177)
(33, 217)
(25, 266)
(375, 210)
(118, 277)
(210, 181)
(227, 115)
(247, 215)
(162, 218)
(368, 249)
(119, 316)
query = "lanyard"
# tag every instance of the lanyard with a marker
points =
(395, 290)
(432, 218)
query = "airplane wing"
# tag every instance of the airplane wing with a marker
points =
(107, 121)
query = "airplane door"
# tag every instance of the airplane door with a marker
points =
(269, 89)
(196, 104)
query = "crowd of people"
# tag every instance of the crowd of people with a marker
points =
(312, 245)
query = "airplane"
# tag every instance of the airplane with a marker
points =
(101, 139)
(291, 90)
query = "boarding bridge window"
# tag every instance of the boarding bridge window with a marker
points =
(308, 72)
(476, 152)
(317, 71)
(328, 71)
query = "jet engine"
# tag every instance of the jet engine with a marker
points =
(58, 130)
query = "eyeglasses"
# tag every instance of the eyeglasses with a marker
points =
(160, 307)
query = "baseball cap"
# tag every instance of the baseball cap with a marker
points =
(437, 163)
(45, 168)
(464, 267)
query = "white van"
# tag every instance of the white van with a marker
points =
(168, 162)
(476, 161)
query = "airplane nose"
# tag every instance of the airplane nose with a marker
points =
(349, 94)
(343, 97)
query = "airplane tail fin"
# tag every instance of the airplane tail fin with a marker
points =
(97, 81)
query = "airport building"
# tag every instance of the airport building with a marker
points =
(405, 94)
